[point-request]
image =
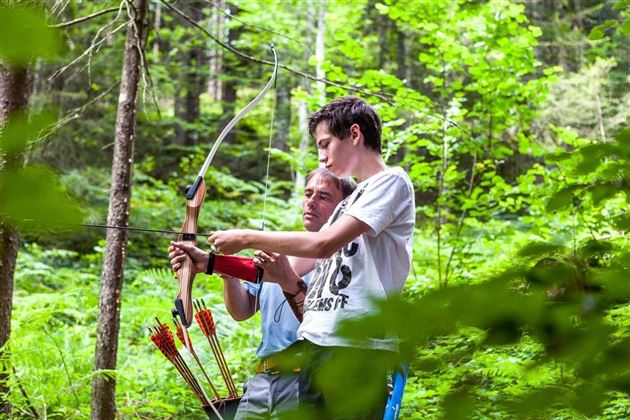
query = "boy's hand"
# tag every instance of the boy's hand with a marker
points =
(228, 242)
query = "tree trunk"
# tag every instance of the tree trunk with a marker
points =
(282, 120)
(302, 106)
(104, 387)
(193, 83)
(157, 23)
(14, 89)
(228, 87)
(215, 61)
(320, 51)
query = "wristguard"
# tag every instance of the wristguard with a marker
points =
(232, 265)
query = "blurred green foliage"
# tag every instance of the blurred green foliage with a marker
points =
(505, 115)
(25, 34)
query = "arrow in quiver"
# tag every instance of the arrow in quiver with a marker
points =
(163, 338)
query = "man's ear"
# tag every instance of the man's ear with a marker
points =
(355, 134)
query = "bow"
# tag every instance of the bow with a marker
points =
(194, 198)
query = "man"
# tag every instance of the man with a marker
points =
(363, 252)
(268, 393)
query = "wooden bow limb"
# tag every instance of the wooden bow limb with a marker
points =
(194, 198)
(186, 273)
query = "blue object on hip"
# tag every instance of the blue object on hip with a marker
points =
(394, 401)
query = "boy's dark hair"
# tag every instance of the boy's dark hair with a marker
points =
(341, 113)
(345, 185)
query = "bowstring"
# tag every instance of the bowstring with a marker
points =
(264, 210)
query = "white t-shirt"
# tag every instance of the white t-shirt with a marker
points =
(375, 264)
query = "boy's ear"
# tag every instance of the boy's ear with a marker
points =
(355, 133)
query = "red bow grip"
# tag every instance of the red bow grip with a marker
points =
(232, 265)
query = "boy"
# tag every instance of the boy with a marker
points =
(364, 251)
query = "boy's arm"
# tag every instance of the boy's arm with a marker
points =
(302, 266)
(318, 245)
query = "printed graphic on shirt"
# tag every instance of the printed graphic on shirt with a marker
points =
(333, 275)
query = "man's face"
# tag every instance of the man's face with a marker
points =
(336, 155)
(321, 196)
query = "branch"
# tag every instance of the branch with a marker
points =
(386, 97)
(94, 45)
(84, 18)
(29, 404)
(256, 27)
(65, 367)
(70, 116)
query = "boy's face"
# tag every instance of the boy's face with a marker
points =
(321, 196)
(335, 154)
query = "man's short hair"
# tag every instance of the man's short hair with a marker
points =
(345, 185)
(342, 113)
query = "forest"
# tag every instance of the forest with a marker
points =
(510, 118)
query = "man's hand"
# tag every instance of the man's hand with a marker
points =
(178, 251)
(277, 268)
(228, 242)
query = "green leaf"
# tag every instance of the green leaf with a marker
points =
(621, 4)
(34, 193)
(623, 141)
(459, 405)
(382, 9)
(561, 199)
(588, 165)
(538, 249)
(594, 247)
(602, 192)
(622, 222)
(25, 35)
(598, 32)
(536, 31)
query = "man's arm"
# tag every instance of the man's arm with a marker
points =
(240, 304)
(238, 301)
(278, 269)
(317, 245)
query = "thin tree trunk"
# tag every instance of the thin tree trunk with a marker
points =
(157, 23)
(14, 89)
(228, 87)
(320, 51)
(282, 120)
(215, 62)
(192, 84)
(302, 106)
(104, 387)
